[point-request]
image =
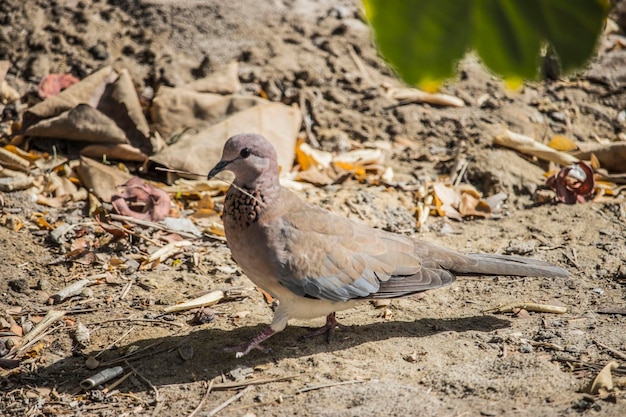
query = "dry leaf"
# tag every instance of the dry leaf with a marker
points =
(142, 201)
(53, 84)
(573, 184)
(603, 381)
(562, 143)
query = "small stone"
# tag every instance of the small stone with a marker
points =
(99, 52)
(19, 285)
(44, 285)
(558, 116)
(526, 348)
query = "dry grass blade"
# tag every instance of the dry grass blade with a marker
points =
(529, 146)
(146, 223)
(259, 381)
(615, 352)
(204, 397)
(229, 401)
(333, 384)
(204, 301)
(52, 317)
(537, 308)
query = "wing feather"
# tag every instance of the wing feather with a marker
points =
(329, 257)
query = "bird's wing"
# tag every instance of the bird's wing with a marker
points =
(323, 255)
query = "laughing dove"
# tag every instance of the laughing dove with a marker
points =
(316, 262)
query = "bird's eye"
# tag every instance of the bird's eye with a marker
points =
(245, 152)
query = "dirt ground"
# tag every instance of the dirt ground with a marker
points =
(441, 355)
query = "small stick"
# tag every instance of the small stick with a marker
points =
(205, 300)
(52, 317)
(146, 223)
(615, 352)
(71, 290)
(204, 397)
(229, 401)
(126, 290)
(359, 65)
(204, 176)
(529, 146)
(306, 118)
(168, 250)
(259, 381)
(413, 95)
(538, 308)
(333, 384)
(170, 323)
(115, 384)
(157, 397)
(115, 342)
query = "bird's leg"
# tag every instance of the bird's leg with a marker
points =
(328, 329)
(254, 343)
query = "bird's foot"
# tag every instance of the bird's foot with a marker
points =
(254, 343)
(328, 329)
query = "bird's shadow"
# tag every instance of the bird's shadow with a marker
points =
(162, 361)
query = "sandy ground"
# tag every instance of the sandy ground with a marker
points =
(441, 355)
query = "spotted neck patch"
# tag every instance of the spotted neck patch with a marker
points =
(242, 209)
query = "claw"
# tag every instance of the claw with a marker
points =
(255, 343)
(329, 328)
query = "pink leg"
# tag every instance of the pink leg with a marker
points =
(254, 343)
(328, 329)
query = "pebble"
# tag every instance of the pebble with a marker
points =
(44, 285)
(99, 52)
(558, 116)
(526, 348)
(19, 285)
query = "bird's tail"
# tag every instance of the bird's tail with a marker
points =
(489, 264)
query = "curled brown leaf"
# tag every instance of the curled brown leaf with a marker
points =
(573, 184)
(142, 201)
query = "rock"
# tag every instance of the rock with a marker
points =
(19, 285)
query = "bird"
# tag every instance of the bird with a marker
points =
(316, 262)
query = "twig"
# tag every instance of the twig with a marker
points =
(131, 320)
(125, 290)
(135, 355)
(52, 317)
(205, 300)
(529, 146)
(538, 308)
(204, 397)
(259, 381)
(229, 401)
(115, 342)
(413, 95)
(359, 65)
(71, 290)
(615, 352)
(306, 119)
(332, 384)
(115, 384)
(146, 223)
(157, 397)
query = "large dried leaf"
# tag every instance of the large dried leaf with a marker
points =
(100, 179)
(88, 91)
(83, 123)
(223, 81)
(612, 156)
(103, 108)
(234, 114)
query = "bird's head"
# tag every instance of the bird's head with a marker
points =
(249, 156)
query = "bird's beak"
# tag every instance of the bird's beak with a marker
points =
(221, 165)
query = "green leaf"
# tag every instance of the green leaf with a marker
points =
(424, 39)
(506, 42)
